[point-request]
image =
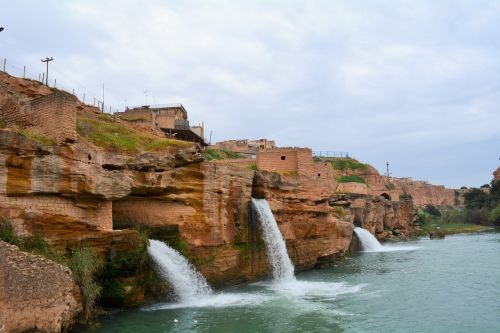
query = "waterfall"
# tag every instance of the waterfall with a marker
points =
(187, 282)
(368, 241)
(281, 265)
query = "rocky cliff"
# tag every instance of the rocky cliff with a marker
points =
(96, 180)
(386, 219)
(36, 294)
(421, 192)
(314, 233)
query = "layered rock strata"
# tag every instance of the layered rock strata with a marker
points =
(314, 234)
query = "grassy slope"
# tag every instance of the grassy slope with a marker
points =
(103, 132)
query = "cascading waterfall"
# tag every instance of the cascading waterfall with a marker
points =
(187, 282)
(282, 267)
(368, 241)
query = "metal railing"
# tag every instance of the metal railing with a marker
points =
(156, 106)
(327, 153)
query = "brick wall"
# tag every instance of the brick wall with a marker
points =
(100, 215)
(277, 160)
(324, 170)
(52, 116)
(55, 116)
(305, 163)
(36, 294)
(297, 160)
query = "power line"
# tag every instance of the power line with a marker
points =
(47, 60)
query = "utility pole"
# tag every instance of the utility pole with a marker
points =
(103, 98)
(146, 93)
(47, 60)
(388, 173)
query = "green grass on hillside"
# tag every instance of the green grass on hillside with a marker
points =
(347, 163)
(103, 132)
(221, 154)
(351, 179)
(40, 139)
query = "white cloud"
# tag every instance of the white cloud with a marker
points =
(383, 80)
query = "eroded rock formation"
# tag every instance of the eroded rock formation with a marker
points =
(383, 218)
(314, 234)
(36, 294)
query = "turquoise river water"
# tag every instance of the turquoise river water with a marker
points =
(449, 285)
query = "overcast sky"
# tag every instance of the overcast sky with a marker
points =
(415, 83)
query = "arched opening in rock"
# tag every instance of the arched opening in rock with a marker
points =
(386, 195)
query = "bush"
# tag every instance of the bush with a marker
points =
(476, 216)
(432, 210)
(6, 232)
(494, 215)
(475, 199)
(390, 186)
(84, 264)
(339, 211)
(405, 197)
(351, 179)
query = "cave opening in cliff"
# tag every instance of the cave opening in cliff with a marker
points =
(386, 195)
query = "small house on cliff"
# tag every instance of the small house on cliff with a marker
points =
(292, 160)
(172, 119)
(245, 146)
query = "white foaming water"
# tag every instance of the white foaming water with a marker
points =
(371, 244)
(187, 282)
(303, 289)
(220, 300)
(281, 264)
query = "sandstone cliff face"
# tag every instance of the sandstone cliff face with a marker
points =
(202, 210)
(422, 193)
(36, 294)
(383, 218)
(313, 234)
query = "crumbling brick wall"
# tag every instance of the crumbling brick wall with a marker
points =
(36, 294)
(55, 116)
(52, 116)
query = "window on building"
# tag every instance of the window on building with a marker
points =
(283, 158)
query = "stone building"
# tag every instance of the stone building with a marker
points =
(245, 146)
(292, 160)
(171, 119)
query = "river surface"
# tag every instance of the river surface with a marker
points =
(449, 285)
